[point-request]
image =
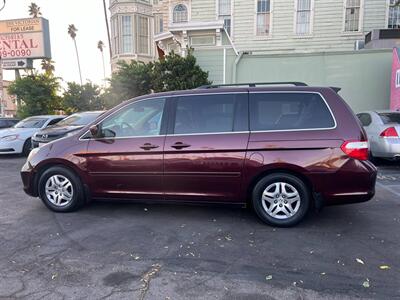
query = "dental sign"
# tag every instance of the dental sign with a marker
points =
(25, 38)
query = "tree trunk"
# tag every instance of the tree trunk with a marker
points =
(104, 66)
(79, 64)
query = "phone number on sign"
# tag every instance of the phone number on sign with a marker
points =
(16, 53)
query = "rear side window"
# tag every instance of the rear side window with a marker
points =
(390, 118)
(3, 123)
(365, 119)
(211, 114)
(289, 111)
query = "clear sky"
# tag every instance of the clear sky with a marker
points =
(88, 18)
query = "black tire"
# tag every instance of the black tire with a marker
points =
(26, 149)
(78, 195)
(303, 192)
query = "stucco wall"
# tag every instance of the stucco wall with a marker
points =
(364, 76)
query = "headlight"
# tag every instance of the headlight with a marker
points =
(32, 153)
(10, 137)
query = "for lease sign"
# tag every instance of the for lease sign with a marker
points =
(21, 25)
(25, 38)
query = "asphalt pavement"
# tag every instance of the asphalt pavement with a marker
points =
(139, 251)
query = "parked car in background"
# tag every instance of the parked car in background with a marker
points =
(17, 140)
(283, 149)
(383, 131)
(64, 128)
(7, 122)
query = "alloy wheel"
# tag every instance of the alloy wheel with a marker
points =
(281, 200)
(59, 190)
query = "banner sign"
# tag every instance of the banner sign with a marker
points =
(25, 38)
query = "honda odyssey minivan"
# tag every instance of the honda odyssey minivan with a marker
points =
(283, 149)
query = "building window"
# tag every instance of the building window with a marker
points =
(180, 14)
(303, 17)
(394, 15)
(202, 40)
(352, 15)
(224, 13)
(115, 37)
(127, 35)
(158, 23)
(143, 35)
(263, 17)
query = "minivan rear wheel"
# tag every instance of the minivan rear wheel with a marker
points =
(61, 190)
(281, 199)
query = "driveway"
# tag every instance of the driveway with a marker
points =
(138, 251)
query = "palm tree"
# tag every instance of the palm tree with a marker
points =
(72, 32)
(108, 27)
(48, 66)
(100, 46)
(34, 10)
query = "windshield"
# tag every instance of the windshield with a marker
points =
(79, 119)
(31, 123)
(388, 118)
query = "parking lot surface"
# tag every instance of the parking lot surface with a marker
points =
(141, 251)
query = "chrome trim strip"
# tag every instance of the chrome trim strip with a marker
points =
(352, 194)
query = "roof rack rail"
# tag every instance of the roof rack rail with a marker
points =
(254, 84)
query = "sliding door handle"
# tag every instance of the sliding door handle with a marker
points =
(180, 145)
(149, 146)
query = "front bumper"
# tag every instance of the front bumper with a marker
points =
(11, 147)
(29, 178)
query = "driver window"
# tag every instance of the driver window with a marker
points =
(142, 118)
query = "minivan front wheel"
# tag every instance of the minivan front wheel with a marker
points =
(61, 190)
(281, 199)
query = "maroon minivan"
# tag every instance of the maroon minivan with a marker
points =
(284, 149)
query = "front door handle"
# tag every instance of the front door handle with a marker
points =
(180, 145)
(149, 146)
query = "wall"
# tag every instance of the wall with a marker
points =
(364, 76)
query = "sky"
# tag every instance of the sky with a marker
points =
(88, 18)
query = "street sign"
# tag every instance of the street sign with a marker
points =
(25, 38)
(17, 64)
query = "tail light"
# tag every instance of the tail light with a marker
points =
(389, 133)
(356, 149)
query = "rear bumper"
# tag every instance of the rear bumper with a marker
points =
(387, 148)
(353, 183)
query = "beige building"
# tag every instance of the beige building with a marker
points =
(7, 105)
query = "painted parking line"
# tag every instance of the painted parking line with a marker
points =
(389, 188)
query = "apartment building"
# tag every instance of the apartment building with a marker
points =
(238, 40)
(143, 29)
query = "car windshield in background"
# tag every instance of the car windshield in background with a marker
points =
(390, 118)
(31, 123)
(79, 119)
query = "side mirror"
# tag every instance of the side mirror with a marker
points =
(94, 130)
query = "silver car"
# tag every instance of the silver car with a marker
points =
(383, 131)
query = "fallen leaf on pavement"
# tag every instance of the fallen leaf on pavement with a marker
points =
(384, 267)
(269, 277)
(366, 283)
(359, 261)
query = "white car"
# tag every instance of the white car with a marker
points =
(17, 140)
